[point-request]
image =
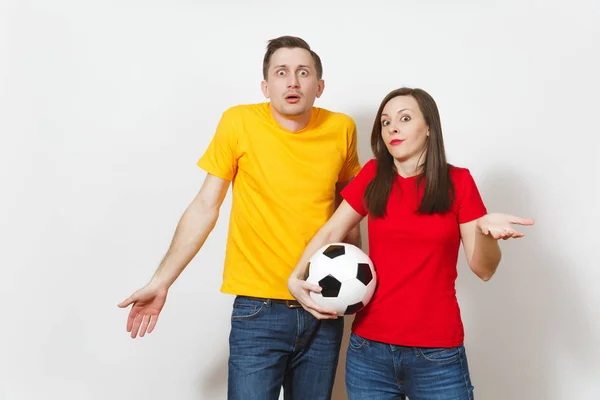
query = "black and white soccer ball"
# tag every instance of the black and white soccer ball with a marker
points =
(346, 275)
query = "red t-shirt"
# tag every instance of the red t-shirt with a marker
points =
(415, 258)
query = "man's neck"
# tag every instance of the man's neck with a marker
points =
(292, 124)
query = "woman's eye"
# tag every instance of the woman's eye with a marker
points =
(405, 118)
(385, 123)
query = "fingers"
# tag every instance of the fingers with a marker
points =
(144, 327)
(506, 234)
(521, 221)
(301, 289)
(133, 313)
(499, 225)
(153, 320)
(131, 319)
(319, 312)
(140, 325)
(303, 297)
(314, 308)
(311, 287)
(319, 315)
(125, 303)
(137, 321)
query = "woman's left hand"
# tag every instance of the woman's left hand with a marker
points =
(499, 226)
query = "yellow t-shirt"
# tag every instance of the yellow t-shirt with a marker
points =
(283, 190)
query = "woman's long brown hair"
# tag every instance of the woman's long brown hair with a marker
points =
(439, 190)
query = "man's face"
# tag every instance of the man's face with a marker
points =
(292, 84)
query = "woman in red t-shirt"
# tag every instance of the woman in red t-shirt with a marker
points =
(408, 341)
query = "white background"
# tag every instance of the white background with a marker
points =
(105, 107)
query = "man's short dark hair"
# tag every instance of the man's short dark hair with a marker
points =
(289, 42)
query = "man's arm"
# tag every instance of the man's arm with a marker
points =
(193, 228)
(353, 237)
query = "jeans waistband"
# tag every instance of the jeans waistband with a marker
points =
(288, 303)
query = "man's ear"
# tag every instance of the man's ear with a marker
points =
(265, 88)
(320, 87)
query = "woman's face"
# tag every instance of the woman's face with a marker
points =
(403, 129)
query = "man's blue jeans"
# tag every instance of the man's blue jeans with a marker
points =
(379, 371)
(271, 345)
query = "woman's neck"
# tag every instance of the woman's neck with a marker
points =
(408, 168)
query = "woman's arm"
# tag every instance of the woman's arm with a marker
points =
(480, 241)
(335, 229)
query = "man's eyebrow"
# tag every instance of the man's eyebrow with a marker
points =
(286, 66)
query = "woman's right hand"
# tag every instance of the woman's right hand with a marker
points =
(301, 289)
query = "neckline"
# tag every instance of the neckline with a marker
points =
(313, 116)
(408, 178)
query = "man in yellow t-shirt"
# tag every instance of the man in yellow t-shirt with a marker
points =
(287, 160)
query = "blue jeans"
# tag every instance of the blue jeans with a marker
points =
(379, 371)
(271, 345)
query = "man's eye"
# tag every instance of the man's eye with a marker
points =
(303, 72)
(281, 72)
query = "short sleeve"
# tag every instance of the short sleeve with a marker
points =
(351, 163)
(470, 204)
(220, 158)
(354, 192)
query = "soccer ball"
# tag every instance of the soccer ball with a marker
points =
(345, 274)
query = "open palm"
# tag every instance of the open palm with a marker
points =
(500, 226)
(147, 304)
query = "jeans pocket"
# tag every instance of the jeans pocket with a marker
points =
(246, 308)
(357, 342)
(439, 355)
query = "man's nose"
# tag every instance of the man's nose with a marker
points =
(293, 81)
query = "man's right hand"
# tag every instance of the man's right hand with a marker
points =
(147, 304)
(192, 230)
(301, 289)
